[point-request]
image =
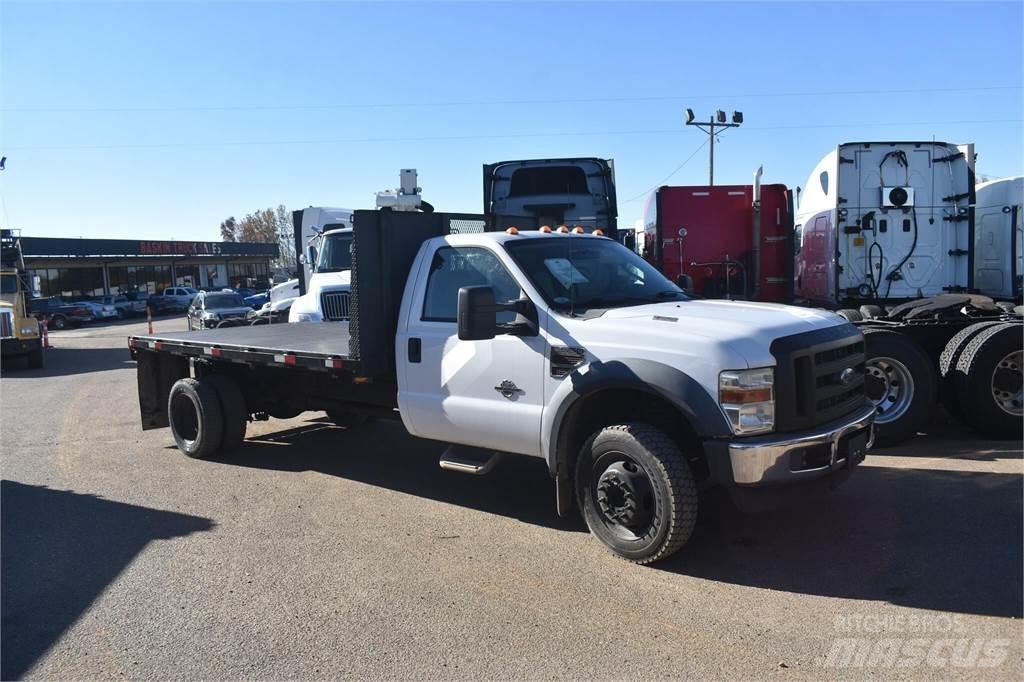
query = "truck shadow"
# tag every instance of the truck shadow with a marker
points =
(946, 437)
(68, 361)
(926, 539)
(930, 539)
(60, 550)
(383, 454)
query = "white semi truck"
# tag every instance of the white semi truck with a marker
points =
(559, 345)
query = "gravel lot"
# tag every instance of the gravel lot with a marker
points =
(318, 552)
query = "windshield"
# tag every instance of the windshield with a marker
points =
(577, 275)
(9, 284)
(335, 253)
(224, 300)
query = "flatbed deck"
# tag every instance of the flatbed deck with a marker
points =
(314, 345)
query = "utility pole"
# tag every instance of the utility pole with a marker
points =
(715, 121)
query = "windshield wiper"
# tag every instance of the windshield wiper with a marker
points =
(666, 294)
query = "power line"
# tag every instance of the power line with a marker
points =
(667, 177)
(492, 136)
(517, 102)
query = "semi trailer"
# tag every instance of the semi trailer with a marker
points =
(892, 237)
(557, 344)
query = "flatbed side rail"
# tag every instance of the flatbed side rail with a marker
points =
(250, 356)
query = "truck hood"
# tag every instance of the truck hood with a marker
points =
(740, 329)
(329, 280)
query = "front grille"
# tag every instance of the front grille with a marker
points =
(6, 325)
(335, 305)
(819, 376)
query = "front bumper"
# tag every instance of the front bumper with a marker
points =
(779, 459)
(12, 345)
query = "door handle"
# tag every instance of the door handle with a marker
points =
(415, 350)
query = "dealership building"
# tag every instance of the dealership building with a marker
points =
(82, 268)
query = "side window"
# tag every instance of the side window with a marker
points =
(200, 301)
(798, 238)
(454, 268)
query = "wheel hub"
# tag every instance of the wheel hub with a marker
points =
(890, 386)
(623, 495)
(1008, 383)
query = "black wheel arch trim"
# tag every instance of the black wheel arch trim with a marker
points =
(677, 388)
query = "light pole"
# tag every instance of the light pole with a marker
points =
(715, 121)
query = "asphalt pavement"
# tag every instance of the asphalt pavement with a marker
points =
(320, 553)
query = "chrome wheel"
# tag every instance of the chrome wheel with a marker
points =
(1007, 382)
(624, 495)
(890, 386)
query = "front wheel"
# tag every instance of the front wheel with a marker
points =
(636, 491)
(58, 322)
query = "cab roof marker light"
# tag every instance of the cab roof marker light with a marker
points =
(578, 230)
(563, 229)
(546, 229)
(598, 232)
(512, 230)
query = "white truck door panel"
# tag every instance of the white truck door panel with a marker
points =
(485, 393)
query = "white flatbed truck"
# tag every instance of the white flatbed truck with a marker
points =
(558, 345)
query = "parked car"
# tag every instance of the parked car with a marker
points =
(256, 301)
(172, 300)
(211, 308)
(125, 306)
(100, 311)
(60, 313)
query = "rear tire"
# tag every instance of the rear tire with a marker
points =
(850, 314)
(902, 383)
(988, 380)
(636, 492)
(948, 361)
(233, 407)
(196, 418)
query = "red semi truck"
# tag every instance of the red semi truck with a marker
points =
(725, 241)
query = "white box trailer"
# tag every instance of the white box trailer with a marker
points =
(998, 235)
(886, 222)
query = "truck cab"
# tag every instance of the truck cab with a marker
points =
(328, 290)
(538, 192)
(324, 238)
(19, 331)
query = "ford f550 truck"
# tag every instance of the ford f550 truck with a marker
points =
(552, 344)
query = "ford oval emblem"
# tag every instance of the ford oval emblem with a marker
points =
(848, 376)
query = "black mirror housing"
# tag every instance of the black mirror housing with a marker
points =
(477, 314)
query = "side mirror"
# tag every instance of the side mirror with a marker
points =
(477, 313)
(311, 255)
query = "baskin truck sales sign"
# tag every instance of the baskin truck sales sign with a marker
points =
(164, 248)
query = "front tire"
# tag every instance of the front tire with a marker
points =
(196, 417)
(901, 382)
(636, 492)
(59, 322)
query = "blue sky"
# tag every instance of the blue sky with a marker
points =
(158, 120)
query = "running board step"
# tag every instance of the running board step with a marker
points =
(467, 460)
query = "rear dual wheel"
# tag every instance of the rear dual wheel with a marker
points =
(207, 415)
(989, 381)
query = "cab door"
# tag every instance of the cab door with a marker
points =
(489, 393)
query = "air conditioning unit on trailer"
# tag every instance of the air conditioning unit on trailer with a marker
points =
(897, 197)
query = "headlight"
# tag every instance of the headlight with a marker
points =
(210, 315)
(307, 317)
(29, 331)
(748, 398)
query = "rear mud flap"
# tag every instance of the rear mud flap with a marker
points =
(156, 374)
